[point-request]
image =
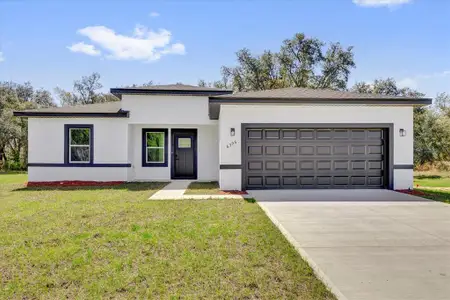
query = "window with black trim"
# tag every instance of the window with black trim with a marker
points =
(79, 144)
(154, 147)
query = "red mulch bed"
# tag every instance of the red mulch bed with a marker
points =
(233, 192)
(412, 192)
(73, 183)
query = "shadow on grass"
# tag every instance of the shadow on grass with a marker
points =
(441, 196)
(428, 177)
(134, 186)
(12, 172)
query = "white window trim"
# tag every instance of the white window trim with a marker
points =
(163, 148)
(70, 147)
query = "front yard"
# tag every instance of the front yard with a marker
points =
(114, 243)
(433, 185)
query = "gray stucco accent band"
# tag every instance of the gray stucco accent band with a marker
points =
(64, 165)
(403, 167)
(230, 167)
(122, 114)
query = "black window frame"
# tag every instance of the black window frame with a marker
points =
(144, 148)
(67, 128)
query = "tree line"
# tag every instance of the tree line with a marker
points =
(300, 62)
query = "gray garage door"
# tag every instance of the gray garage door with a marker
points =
(311, 158)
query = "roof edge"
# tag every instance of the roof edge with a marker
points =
(412, 101)
(120, 114)
(133, 91)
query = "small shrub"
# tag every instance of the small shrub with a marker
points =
(14, 166)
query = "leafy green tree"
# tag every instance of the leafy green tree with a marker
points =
(386, 86)
(147, 84)
(215, 84)
(85, 91)
(301, 62)
(431, 127)
(13, 131)
(442, 103)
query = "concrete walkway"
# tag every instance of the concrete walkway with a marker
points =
(175, 191)
(394, 246)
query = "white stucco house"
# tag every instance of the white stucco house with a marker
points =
(289, 138)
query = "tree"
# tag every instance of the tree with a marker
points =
(431, 127)
(85, 91)
(301, 62)
(147, 84)
(215, 84)
(14, 131)
(442, 103)
(386, 86)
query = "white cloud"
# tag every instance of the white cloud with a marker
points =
(2, 58)
(84, 48)
(408, 82)
(144, 44)
(381, 3)
(414, 81)
(154, 14)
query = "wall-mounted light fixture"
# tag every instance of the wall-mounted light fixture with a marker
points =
(232, 131)
(402, 132)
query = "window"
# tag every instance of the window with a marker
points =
(184, 142)
(154, 152)
(79, 146)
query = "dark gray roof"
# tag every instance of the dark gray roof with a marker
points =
(308, 96)
(175, 87)
(107, 109)
(306, 93)
(170, 89)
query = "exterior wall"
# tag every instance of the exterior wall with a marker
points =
(207, 153)
(46, 145)
(73, 173)
(167, 110)
(232, 116)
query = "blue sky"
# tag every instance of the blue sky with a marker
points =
(52, 43)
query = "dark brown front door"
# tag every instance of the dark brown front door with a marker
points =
(184, 154)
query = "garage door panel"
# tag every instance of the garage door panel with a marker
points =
(289, 150)
(272, 134)
(289, 134)
(314, 158)
(255, 134)
(273, 165)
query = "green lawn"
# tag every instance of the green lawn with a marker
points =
(203, 188)
(432, 179)
(437, 195)
(114, 243)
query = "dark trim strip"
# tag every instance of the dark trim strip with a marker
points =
(403, 167)
(230, 167)
(225, 100)
(120, 114)
(120, 91)
(98, 165)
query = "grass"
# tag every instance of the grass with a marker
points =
(432, 179)
(436, 195)
(84, 243)
(203, 188)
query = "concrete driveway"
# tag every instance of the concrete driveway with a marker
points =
(368, 244)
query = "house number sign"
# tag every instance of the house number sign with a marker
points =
(231, 144)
